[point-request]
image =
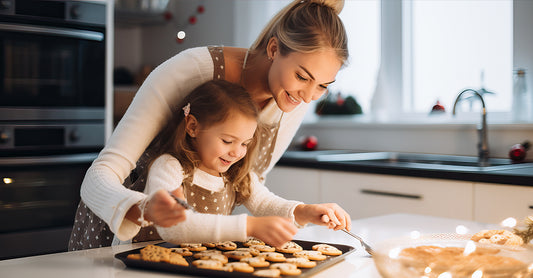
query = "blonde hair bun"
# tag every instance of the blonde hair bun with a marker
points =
(336, 5)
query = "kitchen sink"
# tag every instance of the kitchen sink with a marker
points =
(424, 161)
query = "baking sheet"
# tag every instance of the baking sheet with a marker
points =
(192, 270)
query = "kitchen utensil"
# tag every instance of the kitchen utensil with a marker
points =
(180, 201)
(454, 255)
(367, 247)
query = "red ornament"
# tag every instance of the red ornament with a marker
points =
(518, 152)
(168, 16)
(200, 9)
(192, 19)
(310, 143)
(179, 40)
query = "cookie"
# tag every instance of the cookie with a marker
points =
(256, 261)
(209, 244)
(241, 267)
(177, 259)
(193, 246)
(327, 249)
(286, 269)
(273, 256)
(214, 256)
(210, 251)
(501, 237)
(134, 256)
(226, 245)
(185, 252)
(253, 241)
(208, 264)
(153, 253)
(290, 247)
(267, 273)
(263, 248)
(311, 255)
(252, 251)
(301, 262)
(237, 255)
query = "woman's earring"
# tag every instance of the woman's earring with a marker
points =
(270, 58)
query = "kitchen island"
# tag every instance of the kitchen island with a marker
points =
(100, 262)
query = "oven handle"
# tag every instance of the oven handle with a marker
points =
(48, 160)
(63, 32)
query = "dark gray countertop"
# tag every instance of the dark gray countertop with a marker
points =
(517, 176)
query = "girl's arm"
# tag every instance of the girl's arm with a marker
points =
(263, 202)
(102, 189)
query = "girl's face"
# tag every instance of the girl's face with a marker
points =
(223, 144)
(299, 77)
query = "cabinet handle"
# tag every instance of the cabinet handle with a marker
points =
(390, 194)
(530, 207)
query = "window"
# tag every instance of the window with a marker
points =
(453, 45)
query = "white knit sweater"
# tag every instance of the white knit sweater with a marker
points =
(102, 189)
(166, 173)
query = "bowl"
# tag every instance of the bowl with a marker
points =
(451, 255)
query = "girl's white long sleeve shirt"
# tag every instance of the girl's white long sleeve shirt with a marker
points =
(156, 100)
(166, 173)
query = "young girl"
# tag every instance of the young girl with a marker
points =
(294, 59)
(207, 150)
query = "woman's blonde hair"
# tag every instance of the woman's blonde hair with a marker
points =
(306, 26)
(210, 103)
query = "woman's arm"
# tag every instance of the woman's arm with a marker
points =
(102, 188)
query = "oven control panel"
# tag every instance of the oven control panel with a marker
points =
(28, 137)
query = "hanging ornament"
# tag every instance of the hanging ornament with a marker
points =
(200, 9)
(192, 20)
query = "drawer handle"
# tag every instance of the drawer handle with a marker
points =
(530, 207)
(390, 194)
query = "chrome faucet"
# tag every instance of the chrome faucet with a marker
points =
(483, 144)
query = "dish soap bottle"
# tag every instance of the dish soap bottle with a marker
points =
(521, 101)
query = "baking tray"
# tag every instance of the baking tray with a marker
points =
(192, 270)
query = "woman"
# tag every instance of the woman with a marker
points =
(292, 62)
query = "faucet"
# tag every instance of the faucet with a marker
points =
(483, 145)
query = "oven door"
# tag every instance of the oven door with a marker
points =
(38, 201)
(51, 66)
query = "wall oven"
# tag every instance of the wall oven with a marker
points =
(52, 110)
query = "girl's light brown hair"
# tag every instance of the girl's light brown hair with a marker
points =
(211, 103)
(306, 26)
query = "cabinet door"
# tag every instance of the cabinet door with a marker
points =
(494, 202)
(301, 184)
(366, 195)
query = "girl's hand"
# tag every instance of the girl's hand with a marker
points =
(273, 230)
(330, 215)
(163, 210)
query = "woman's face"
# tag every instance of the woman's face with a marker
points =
(222, 145)
(299, 77)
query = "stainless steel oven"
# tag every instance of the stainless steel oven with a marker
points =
(52, 103)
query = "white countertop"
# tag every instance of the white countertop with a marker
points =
(100, 262)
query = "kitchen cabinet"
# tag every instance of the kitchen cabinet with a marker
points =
(366, 195)
(295, 184)
(494, 202)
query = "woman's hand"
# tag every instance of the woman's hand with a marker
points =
(163, 210)
(273, 230)
(330, 215)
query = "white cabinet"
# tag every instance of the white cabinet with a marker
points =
(494, 202)
(366, 195)
(301, 184)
